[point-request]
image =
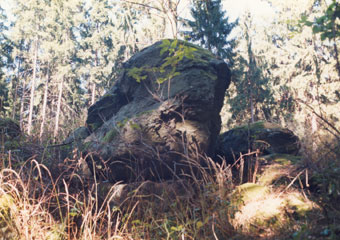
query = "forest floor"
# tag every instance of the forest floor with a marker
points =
(289, 198)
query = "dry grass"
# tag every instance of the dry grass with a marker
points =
(37, 205)
(58, 202)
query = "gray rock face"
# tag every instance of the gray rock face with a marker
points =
(77, 136)
(268, 137)
(148, 130)
(9, 129)
(10, 134)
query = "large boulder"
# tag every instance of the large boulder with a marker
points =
(10, 133)
(9, 128)
(162, 112)
(268, 137)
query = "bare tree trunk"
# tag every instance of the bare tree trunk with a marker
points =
(170, 10)
(314, 125)
(56, 128)
(250, 76)
(22, 100)
(16, 91)
(93, 90)
(30, 116)
(252, 107)
(334, 36)
(250, 92)
(93, 97)
(43, 120)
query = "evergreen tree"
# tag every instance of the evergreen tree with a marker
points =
(211, 28)
(96, 48)
(4, 58)
(328, 25)
(66, 18)
(28, 32)
(44, 34)
(252, 98)
(303, 62)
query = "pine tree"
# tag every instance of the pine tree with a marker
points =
(27, 34)
(252, 98)
(211, 28)
(97, 48)
(66, 18)
(4, 59)
(306, 64)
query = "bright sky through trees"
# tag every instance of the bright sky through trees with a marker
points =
(258, 8)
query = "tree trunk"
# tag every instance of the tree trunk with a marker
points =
(22, 100)
(56, 128)
(250, 92)
(335, 45)
(314, 125)
(93, 97)
(252, 107)
(43, 114)
(30, 116)
(93, 90)
(16, 91)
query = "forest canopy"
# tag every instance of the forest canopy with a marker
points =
(58, 57)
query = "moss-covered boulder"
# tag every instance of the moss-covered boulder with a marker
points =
(10, 133)
(9, 128)
(162, 111)
(263, 211)
(77, 135)
(268, 137)
(266, 210)
(277, 168)
(275, 203)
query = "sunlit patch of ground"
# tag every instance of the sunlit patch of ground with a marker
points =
(266, 212)
(275, 204)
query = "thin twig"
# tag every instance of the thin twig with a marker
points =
(292, 182)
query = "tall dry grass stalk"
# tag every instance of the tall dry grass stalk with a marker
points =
(36, 203)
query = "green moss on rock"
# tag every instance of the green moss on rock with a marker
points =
(251, 191)
(110, 135)
(264, 209)
(94, 126)
(268, 137)
(278, 168)
(85, 146)
(283, 159)
(298, 204)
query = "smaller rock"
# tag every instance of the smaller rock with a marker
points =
(77, 135)
(162, 193)
(277, 168)
(9, 129)
(268, 137)
(10, 133)
(73, 142)
(251, 191)
(262, 207)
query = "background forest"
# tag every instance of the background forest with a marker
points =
(58, 57)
